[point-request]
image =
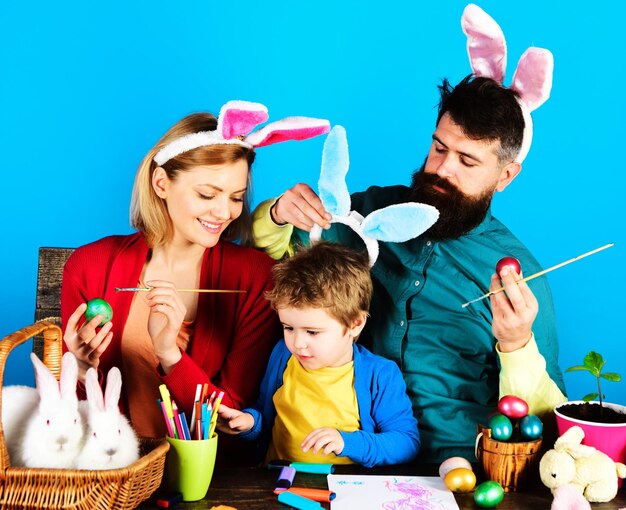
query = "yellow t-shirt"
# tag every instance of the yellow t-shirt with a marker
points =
(308, 400)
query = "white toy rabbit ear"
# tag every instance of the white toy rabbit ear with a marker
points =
(290, 128)
(93, 390)
(486, 45)
(113, 389)
(580, 451)
(573, 435)
(400, 222)
(46, 383)
(533, 77)
(69, 376)
(238, 118)
(332, 187)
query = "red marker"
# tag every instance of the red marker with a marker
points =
(170, 500)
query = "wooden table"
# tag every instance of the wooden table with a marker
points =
(251, 489)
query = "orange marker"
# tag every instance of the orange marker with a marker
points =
(322, 495)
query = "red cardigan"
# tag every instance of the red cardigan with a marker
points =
(234, 333)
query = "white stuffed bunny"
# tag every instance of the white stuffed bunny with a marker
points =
(395, 223)
(42, 427)
(592, 472)
(111, 442)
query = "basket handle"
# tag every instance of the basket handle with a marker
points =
(53, 347)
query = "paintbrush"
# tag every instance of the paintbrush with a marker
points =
(540, 273)
(147, 289)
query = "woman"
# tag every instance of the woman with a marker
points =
(189, 205)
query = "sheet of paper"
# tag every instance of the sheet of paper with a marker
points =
(373, 492)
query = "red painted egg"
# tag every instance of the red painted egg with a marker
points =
(511, 262)
(513, 407)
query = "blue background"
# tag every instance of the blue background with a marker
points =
(86, 89)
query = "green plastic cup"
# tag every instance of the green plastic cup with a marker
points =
(189, 466)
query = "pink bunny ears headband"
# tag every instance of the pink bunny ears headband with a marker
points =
(234, 125)
(532, 80)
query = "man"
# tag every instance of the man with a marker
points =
(456, 361)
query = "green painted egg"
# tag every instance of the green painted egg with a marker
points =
(98, 306)
(488, 494)
(501, 427)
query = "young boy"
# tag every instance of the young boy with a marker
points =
(323, 394)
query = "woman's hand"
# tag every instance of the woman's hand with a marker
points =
(87, 342)
(167, 313)
(327, 439)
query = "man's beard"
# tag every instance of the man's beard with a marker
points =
(458, 213)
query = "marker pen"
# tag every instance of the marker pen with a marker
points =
(299, 502)
(322, 495)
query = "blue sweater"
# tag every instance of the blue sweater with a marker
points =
(388, 433)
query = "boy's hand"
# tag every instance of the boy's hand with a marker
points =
(232, 421)
(327, 439)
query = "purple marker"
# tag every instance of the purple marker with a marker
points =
(285, 479)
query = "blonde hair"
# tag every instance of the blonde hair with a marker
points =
(148, 212)
(326, 275)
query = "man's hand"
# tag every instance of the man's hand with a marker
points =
(514, 311)
(301, 207)
(327, 439)
(232, 421)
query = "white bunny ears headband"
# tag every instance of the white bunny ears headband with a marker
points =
(395, 223)
(532, 80)
(234, 125)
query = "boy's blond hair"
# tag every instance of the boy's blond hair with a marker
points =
(326, 275)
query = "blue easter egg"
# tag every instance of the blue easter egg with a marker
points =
(531, 427)
(501, 427)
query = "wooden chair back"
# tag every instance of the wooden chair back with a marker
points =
(49, 279)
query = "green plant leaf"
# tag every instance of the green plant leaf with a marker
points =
(611, 376)
(590, 397)
(594, 362)
(576, 367)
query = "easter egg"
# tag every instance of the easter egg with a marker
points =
(510, 262)
(531, 427)
(460, 480)
(453, 462)
(513, 407)
(98, 306)
(501, 427)
(488, 494)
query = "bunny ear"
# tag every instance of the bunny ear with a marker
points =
(290, 128)
(533, 77)
(94, 392)
(332, 185)
(238, 118)
(113, 389)
(400, 222)
(46, 383)
(486, 45)
(69, 376)
(573, 435)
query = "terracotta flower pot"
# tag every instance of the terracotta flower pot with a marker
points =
(512, 465)
(609, 438)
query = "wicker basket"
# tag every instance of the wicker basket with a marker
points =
(31, 488)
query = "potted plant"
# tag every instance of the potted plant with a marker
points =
(604, 423)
